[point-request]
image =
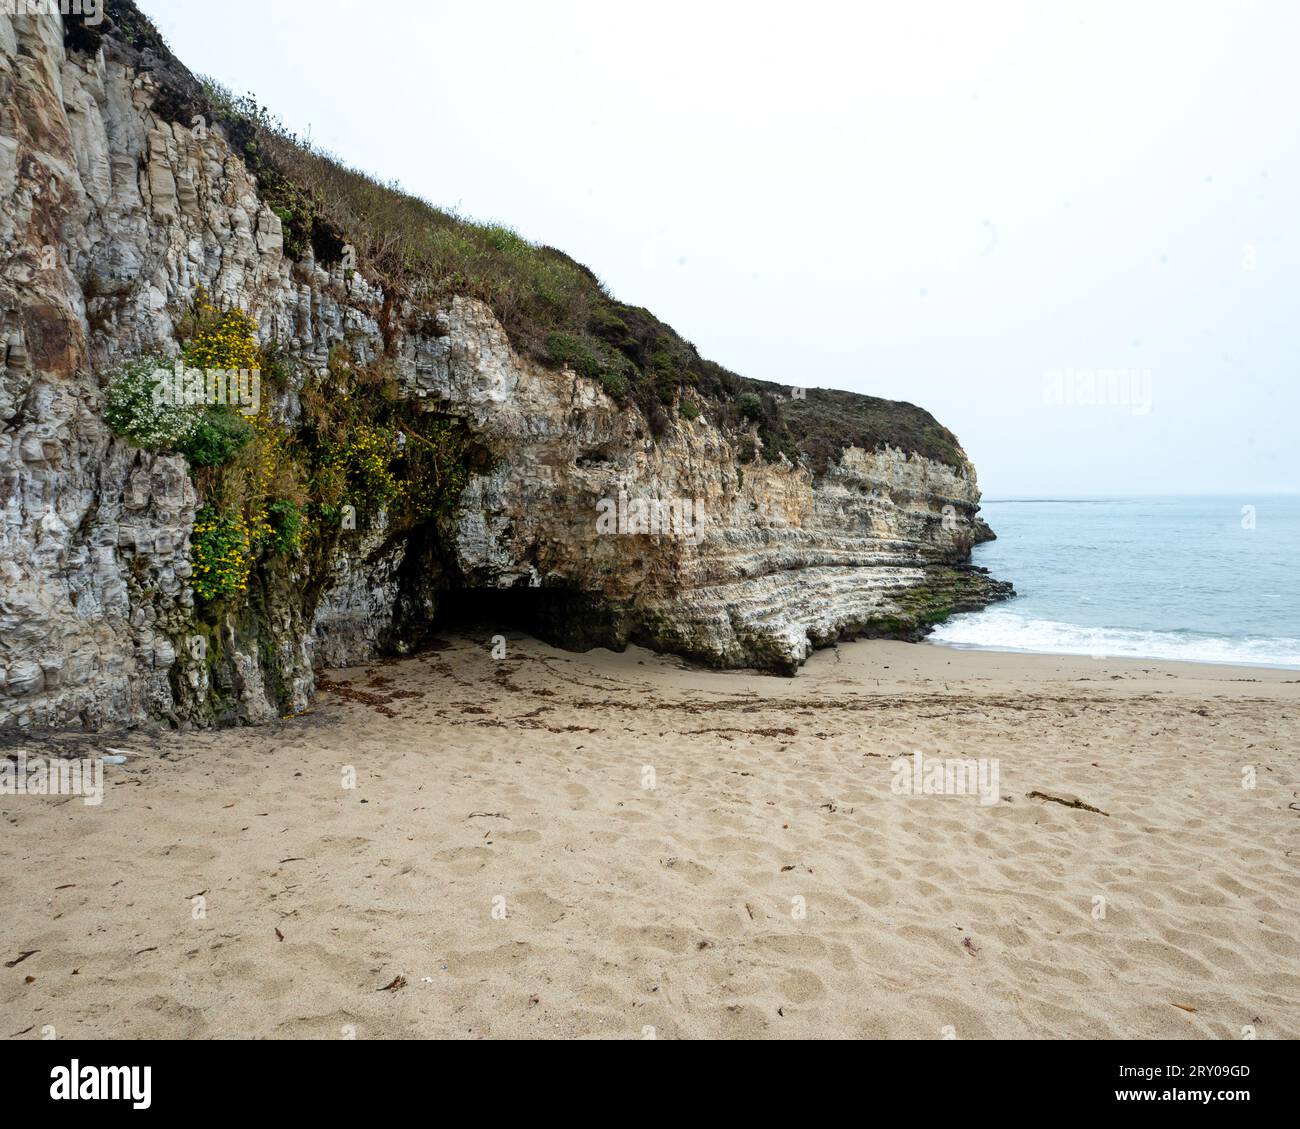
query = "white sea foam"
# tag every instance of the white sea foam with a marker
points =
(998, 629)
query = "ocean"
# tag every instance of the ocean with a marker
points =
(1198, 579)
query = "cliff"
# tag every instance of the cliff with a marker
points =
(452, 421)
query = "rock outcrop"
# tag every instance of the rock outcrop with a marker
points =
(589, 526)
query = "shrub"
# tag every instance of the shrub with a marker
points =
(221, 433)
(572, 352)
(615, 383)
(505, 239)
(280, 369)
(220, 553)
(436, 469)
(689, 409)
(751, 406)
(369, 456)
(218, 339)
(132, 412)
(567, 350)
(608, 326)
(286, 521)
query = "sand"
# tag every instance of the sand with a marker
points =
(502, 869)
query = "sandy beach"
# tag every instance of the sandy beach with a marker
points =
(618, 846)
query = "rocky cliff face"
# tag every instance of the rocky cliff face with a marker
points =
(589, 527)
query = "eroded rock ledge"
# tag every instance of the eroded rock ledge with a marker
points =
(111, 215)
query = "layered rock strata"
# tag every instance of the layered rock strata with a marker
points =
(112, 215)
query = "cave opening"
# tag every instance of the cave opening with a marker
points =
(566, 618)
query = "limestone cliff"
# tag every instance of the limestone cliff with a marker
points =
(115, 209)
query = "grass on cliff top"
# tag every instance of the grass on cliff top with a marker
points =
(828, 420)
(554, 309)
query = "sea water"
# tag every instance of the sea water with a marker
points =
(1199, 579)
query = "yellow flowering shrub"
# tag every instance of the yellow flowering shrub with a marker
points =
(364, 460)
(366, 449)
(219, 339)
(283, 492)
(220, 553)
(236, 523)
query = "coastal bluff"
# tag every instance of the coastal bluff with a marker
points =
(749, 523)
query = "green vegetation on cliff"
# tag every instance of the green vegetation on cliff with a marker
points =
(554, 309)
(278, 500)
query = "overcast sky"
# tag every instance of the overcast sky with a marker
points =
(948, 203)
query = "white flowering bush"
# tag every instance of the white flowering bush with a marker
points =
(140, 417)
